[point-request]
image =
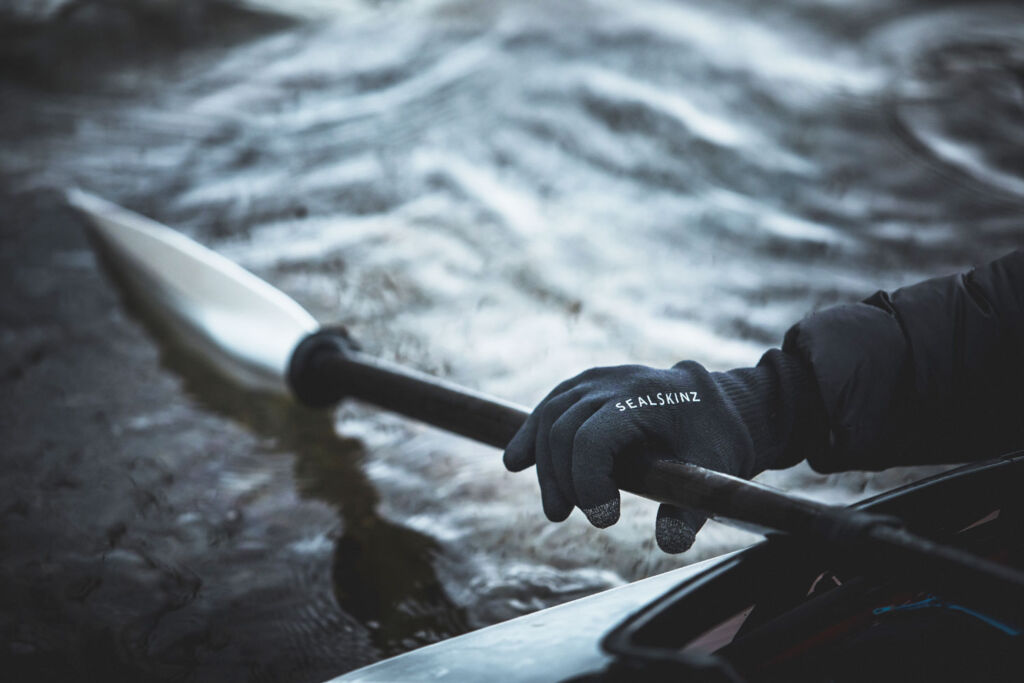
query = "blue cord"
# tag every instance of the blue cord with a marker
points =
(932, 601)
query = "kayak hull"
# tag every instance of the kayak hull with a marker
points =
(554, 644)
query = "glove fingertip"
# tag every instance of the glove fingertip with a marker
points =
(516, 459)
(556, 508)
(673, 535)
(519, 452)
(556, 513)
(605, 514)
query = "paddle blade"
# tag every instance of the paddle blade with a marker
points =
(238, 323)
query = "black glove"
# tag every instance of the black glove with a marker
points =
(739, 422)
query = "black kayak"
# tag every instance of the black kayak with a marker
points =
(778, 611)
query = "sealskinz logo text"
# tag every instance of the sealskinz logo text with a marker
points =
(659, 399)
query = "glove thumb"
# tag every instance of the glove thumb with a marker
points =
(676, 528)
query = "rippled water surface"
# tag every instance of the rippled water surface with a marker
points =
(507, 193)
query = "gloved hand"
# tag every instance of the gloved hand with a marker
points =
(738, 422)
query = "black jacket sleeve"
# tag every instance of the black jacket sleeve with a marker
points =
(931, 373)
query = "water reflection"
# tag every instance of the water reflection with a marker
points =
(383, 573)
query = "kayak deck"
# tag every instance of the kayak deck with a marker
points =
(787, 611)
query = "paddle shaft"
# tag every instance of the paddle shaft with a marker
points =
(424, 397)
(494, 422)
(855, 534)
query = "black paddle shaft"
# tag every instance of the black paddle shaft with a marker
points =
(327, 367)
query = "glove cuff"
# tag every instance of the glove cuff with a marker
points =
(778, 402)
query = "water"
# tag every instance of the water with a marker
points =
(508, 193)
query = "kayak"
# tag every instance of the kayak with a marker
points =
(785, 611)
(778, 609)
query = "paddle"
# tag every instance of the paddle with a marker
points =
(257, 335)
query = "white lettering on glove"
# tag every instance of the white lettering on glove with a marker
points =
(659, 399)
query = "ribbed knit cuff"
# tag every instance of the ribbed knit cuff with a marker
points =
(800, 419)
(778, 402)
(752, 393)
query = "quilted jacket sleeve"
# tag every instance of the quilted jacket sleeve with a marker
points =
(929, 373)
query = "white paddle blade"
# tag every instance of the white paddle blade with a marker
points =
(240, 324)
